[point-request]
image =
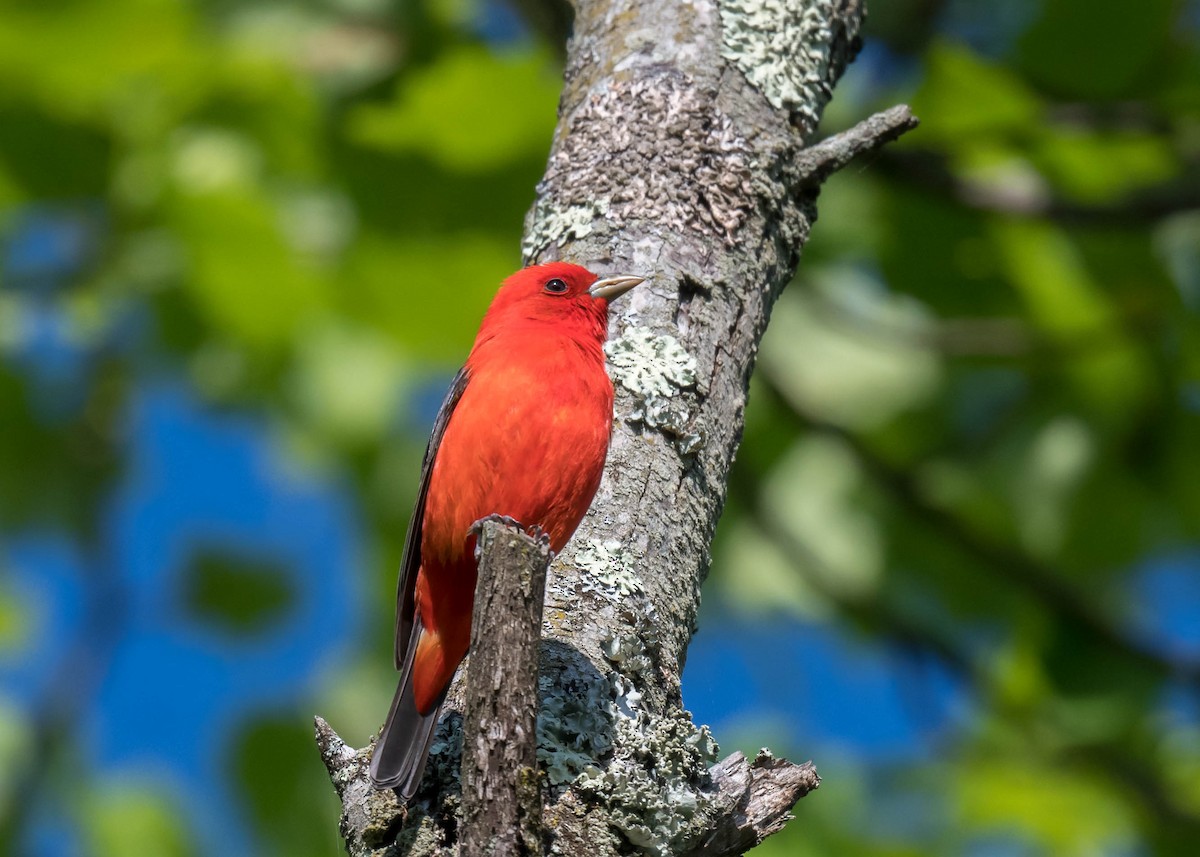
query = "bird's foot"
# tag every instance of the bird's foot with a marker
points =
(535, 532)
(498, 519)
(540, 536)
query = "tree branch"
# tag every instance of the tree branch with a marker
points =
(760, 795)
(821, 160)
(370, 819)
(502, 800)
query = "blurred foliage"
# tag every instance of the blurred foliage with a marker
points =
(975, 419)
(973, 434)
(124, 818)
(263, 591)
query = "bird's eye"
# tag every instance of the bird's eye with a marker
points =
(556, 286)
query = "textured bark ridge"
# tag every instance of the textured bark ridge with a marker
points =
(680, 156)
(502, 798)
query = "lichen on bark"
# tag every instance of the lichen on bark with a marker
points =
(784, 48)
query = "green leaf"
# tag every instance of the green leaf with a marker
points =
(1098, 167)
(942, 254)
(242, 596)
(244, 276)
(80, 59)
(428, 294)
(18, 621)
(31, 139)
(849, 351)
(768, 581)
(963, 95)
(122, 817)
(816, 494)
(1098, 49)
(1064, 301)
(1064, 811)
(347, 382)
(16, 748)
(472, 110)
(283, 787)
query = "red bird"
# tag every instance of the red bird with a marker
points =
(523, 433)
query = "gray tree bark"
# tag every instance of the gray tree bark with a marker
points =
(679, 155)
(502, 795)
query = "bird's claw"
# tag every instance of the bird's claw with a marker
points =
(535, 532)
(540, 536)
(505, 520)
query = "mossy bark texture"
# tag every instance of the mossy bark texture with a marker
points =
(680, 155)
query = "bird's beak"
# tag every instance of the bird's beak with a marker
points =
(613, 287)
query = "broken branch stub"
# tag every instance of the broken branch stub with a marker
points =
(501, 784)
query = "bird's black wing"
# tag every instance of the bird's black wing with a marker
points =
(410, 562)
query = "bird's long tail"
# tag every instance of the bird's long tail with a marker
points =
(403, 746)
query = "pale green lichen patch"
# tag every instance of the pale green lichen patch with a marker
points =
(649, 364)
(654, 786)
(783, 48)
(608, 569)
(633, 649)
(655, 368)
(649, 771)
(671, 417)
(627, 653)
(627, 699)
(574, 726)
(554, 226)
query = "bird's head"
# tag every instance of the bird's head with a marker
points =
(558, 293)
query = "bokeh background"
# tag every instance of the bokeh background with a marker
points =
(244, 244)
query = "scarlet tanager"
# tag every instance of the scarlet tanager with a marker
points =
(523, 433)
